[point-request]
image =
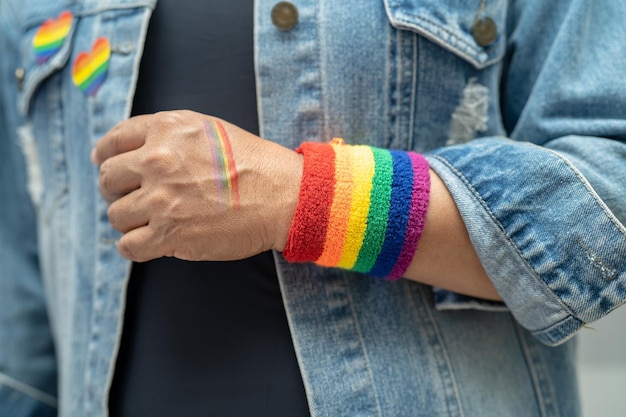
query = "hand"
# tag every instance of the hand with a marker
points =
(191, 186)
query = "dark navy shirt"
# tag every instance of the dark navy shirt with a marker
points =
(204, 338)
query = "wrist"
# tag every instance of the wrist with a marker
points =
(360, 208)
(291, 168)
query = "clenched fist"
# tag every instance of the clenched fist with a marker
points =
(192, 186)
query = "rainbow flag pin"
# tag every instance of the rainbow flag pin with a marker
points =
(90, 69)
(50, 36)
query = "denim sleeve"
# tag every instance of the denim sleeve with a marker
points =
(27, 360)
(546, 207)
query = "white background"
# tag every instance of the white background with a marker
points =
(602, 370)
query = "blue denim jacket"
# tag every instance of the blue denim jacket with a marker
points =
(527, 132)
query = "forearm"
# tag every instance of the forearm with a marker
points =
(369, 209)
(445, 256)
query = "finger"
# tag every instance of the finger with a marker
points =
(126, 136)
(119, 176)
(138, 245)
(128, 213)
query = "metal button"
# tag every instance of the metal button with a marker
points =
(19, 77)
(284, 16)
(484, 31)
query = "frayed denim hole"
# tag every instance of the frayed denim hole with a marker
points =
(470, 116)
(33, 169)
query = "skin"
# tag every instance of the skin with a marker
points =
(157, 174)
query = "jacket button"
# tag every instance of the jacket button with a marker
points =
(284, 16)
(484, 31)
(19, 77)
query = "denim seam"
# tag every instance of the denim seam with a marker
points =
(544, 392)
(308, 390)
(405, 62)
(28, 390)
(426, 300)
(460, 46)
(29, 21)
(321, 66)
(117, 344)
(12, 17)
(98, 10)
(120, 327)
(464, 51)
(485, 206)
(531, 369)
(390, 65)
(136, 64)
(443, 28)
(547, 333)
(359, 333)
(590, 189)
(397, 61)
(419, 17)
(414, 94)
(93, 355)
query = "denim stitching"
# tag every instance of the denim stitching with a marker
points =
(425, 304)
(608, 273)
(590, 189)
(308, 390)
(359, 333)
(508, 238)
(414, 95)
(28, 390)
(464, 49)
(544, 392)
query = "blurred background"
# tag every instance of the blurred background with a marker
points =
(602, 358)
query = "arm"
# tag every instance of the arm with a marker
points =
(178, 208)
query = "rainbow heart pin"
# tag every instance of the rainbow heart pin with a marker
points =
(50, 36)
(90, 69)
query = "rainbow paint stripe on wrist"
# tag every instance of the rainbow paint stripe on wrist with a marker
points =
(360, 208)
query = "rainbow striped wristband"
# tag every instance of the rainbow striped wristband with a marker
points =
(360, 208)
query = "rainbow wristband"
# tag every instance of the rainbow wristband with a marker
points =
(360, 208)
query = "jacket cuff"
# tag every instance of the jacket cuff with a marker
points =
(553, 249)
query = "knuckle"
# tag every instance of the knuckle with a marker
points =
(117, 136)
(170, 119)
(159, 200)
(125, 249)
(106, 180)
(163, 207)
(113, 215)
(159, 160)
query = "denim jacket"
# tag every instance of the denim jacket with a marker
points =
(526, 129)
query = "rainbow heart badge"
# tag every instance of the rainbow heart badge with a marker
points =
(90, 69)
(50, 36)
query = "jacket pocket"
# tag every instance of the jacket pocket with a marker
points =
(452, 23)
(34, 70)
